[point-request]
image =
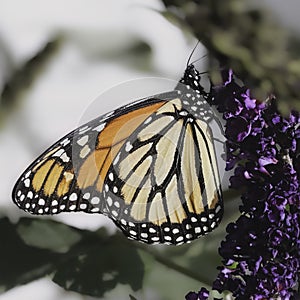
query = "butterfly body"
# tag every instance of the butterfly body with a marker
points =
(150, 166)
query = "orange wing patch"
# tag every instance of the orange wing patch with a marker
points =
(94, 169)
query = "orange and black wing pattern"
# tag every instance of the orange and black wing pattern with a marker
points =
(150, 166)
(69, 175)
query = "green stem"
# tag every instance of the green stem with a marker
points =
(169, 263)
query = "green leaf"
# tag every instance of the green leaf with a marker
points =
(98, 269)
(20, 263)
(47, 234)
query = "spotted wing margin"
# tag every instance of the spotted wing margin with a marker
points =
(69, 175)
(164, 186)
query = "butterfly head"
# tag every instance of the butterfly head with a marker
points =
(192, 79)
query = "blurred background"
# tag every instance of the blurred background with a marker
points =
(55, 59)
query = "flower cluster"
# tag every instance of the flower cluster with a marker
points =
(261, 252)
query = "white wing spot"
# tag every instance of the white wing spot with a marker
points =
(95, 200)
(179, 239)
(203, 219)
(218, 209)
(54, 203)
(68, 176)
(85, 151)
(54, 210)
(65, 142)
(109, 201)
(148, 120)
(83, 206)
(116, 159)
(99, 127)
(115, 189)
(30, 195)
(111, 176)
(109, 114)
(144, 235)
(58, 153)
(42, 202)
(168, 238)
(84, 129)
(86, 196)
(83, 140)
(193, 219)
(72, 207)
(175, 230)
(152, 230)
(132, 232)
(128, 147)
(65, 158)
(73, 197)
(197, 230)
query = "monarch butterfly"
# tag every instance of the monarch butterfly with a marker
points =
(150, 166)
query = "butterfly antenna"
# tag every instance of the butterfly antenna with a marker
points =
(188, 62)
(203, 56)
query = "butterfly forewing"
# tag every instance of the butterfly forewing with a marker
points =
(69, 175)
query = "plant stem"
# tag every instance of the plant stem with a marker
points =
(170, 264)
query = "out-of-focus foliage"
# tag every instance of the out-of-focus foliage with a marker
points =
(93, 264)
(19, 262)
(248, 40)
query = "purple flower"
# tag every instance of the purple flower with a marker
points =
(261, 252)
(203, 294)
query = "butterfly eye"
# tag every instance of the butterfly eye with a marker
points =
(150, 166)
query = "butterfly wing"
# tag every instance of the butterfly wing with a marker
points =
(163, 186)
(69, 175)
(150, 166)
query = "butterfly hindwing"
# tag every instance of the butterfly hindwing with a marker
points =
(163, 186)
